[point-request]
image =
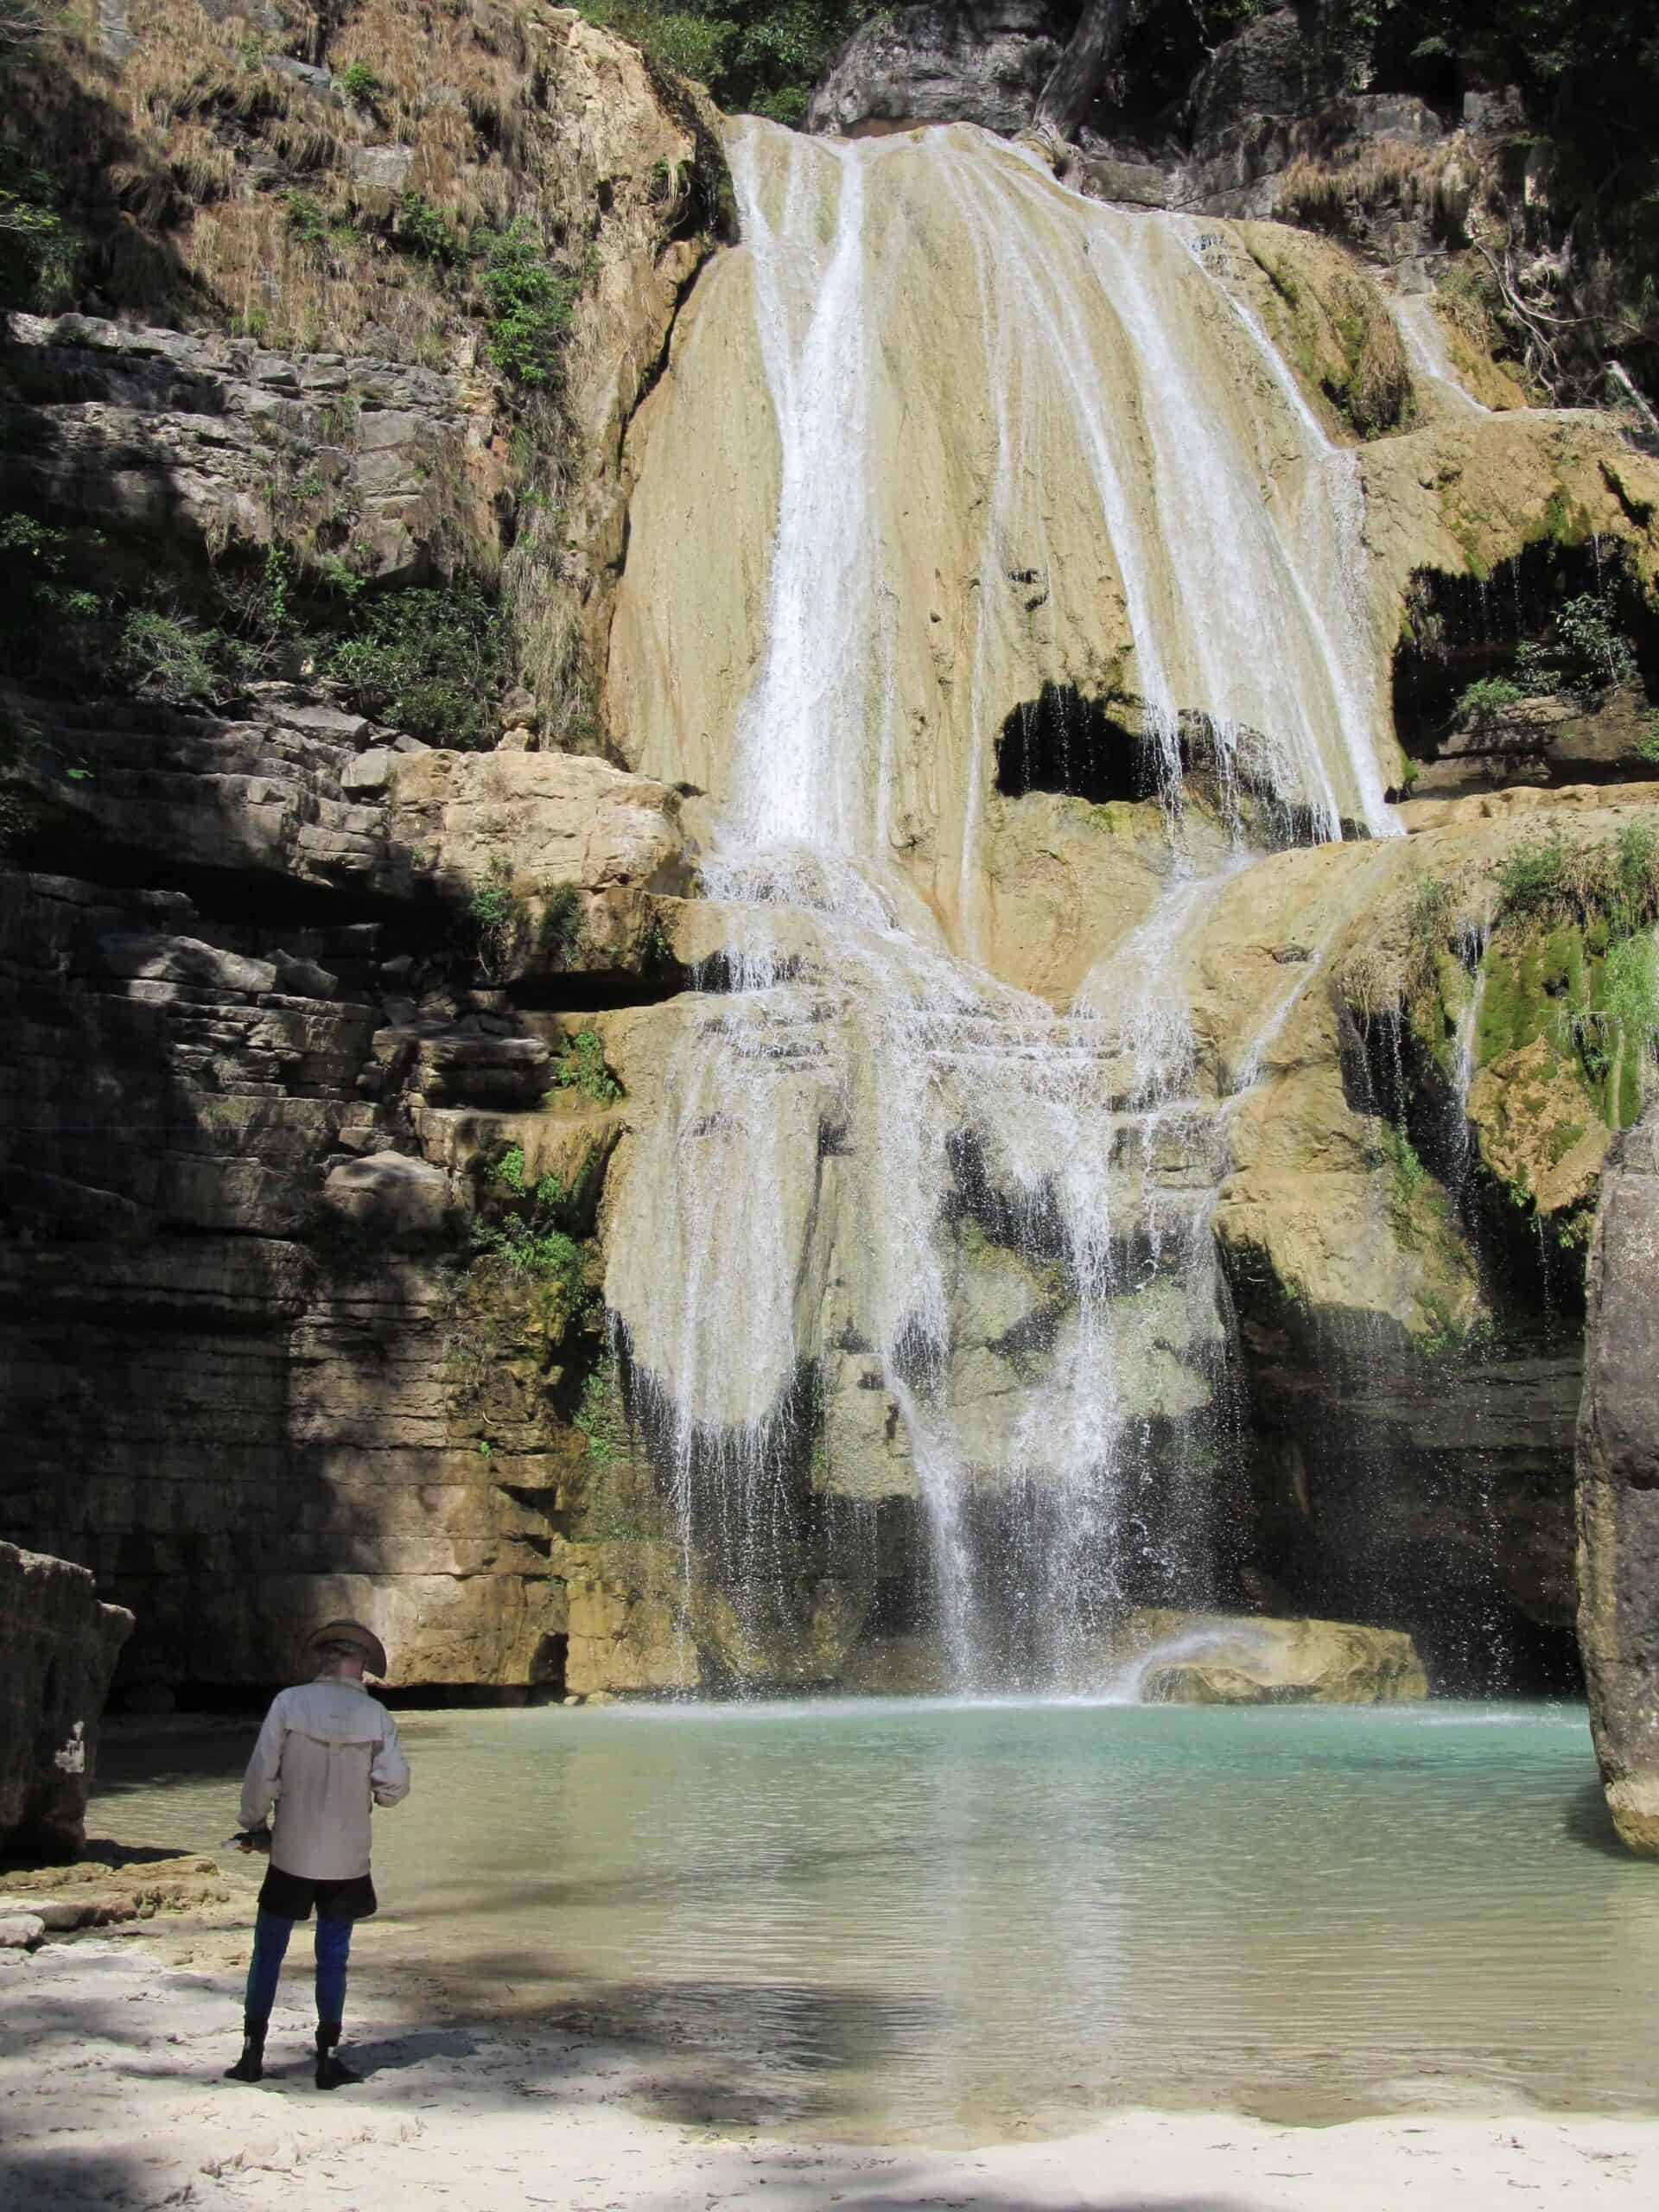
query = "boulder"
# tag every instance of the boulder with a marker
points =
(1264, 71)
(984, 62)
(391, 1198)
(1618, 1486)
(1178, 1658)
(58, 1648)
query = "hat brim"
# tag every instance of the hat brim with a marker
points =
(360, 1639)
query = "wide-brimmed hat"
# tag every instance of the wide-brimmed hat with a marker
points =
(359, 1639)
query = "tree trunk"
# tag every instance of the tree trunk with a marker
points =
(1070, 91)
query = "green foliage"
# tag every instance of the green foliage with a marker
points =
(530, 303)
(1631, 986)
(360, 85)
(496, 911)
(600, 1416)
(1586, 652)
(1647, 745)
(545, 1255)
(307, 224)
(759, 57)
(1636, 874)
(1432, 907)
(427, 233)
(583, 1069)
(1534, 876)
(429, 660)
(559, 933)
(168, 656)
(532, 1238)
(40, 250)
(1485, 704)
(1392, 1150)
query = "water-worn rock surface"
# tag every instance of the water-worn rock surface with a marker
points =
(58, 1649)
(852, 1102)
(1618, 1487)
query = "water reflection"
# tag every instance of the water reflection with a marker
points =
(927, 1916)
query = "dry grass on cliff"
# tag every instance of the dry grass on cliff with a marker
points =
(1345, 188)
(207, 179)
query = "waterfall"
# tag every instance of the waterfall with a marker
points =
(901, 1232)
(1429, 354)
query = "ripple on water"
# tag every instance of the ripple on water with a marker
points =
(925, 1915)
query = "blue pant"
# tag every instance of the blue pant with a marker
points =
(270, 1935)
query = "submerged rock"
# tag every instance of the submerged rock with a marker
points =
(1619, 1487)
(1220, 1659)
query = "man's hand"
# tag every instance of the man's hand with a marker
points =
(247, 1840)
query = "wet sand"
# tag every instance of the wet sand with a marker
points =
(112, 2049)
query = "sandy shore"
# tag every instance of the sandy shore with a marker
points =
(112, 2049)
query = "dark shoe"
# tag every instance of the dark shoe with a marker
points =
(333, 2073)
(251, 2066)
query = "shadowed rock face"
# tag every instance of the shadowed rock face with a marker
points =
(985, 63)
(1618, 1487)
(58, 1648)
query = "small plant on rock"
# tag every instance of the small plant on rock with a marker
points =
(1585, 653)
(583, 1069)
(1534, 875)
(360, 85)
(167, 656)
(1488, 703)
(497, 914)
(529, 304)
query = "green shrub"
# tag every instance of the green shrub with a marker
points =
(1586, 651)
(40, 252)
(560, 934)
(757, 57)
(1535, 875)
(1631, 986)
(429, 660)
(583, 1069)
(1647, 745)
(426, 232)
(600, 1416)
(306, 221)
(1393, 1150)
(1633, 899)
(1431, 905)
(1485, 704)
(497, 914)
(530, 303)
(547, 1255)
(360, 85)
(168, 656)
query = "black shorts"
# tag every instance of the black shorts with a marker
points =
(291, 1897)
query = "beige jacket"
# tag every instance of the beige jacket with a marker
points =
(327, 1753)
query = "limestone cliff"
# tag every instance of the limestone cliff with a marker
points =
(1619, 1488)
(431, 574)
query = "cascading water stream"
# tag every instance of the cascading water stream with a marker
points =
(881, 1177)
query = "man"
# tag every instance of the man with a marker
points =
(328, 1754)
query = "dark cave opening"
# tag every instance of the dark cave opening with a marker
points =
(1062, 742)
(1461, 628)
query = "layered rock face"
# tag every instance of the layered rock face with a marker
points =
(1618, 1487)
(246, 1128)
(288, 985)
(58, 1649)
